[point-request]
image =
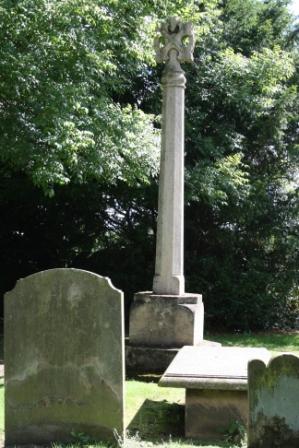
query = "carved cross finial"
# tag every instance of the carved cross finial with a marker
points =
(175, 35)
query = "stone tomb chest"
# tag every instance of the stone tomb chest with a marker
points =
(64, 358)
(215, 379)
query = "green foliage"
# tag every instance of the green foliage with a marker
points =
(79, 139)
(62, 63)
(236, 434)
(216, 183)
(242, 158)
(253, 25)
(81, 439)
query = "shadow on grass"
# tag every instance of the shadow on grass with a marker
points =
(161, 421)
(157, 420)
(143, 377)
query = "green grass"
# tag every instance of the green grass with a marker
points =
(276, 342)
(155, 416)
(154, 411)
(1, 409)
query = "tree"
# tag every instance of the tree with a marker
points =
(242, 158)
(62, 64)
(79, 156)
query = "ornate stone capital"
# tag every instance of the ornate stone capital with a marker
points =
(175, 37)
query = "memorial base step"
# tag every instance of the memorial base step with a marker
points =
(141, 359)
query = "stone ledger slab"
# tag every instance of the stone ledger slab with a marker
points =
(64, 358)
(166, 321)
(215, 379)
(274, 402)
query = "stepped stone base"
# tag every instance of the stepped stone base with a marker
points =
(149, 360)
(152, 359)
(166, 321)
(160, 325)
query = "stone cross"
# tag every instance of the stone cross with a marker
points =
(174, 45)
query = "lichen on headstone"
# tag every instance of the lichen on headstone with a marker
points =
(64, 358)
(274, 403)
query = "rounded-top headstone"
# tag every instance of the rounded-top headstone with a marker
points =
(64, 358)
(274, 402)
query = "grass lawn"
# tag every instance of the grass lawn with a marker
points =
(276, 342)
(155, 416)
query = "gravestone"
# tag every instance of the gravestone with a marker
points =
(64, 358)
(215, 379)
(274, 403)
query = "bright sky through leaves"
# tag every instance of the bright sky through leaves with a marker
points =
(294, 7)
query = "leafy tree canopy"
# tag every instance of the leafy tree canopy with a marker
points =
(80, 115)
(62, 65)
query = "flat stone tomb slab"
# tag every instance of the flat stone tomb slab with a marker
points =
(215, 379)
(212, 367)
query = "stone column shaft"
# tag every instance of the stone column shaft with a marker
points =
(174, 44)
(169, 272)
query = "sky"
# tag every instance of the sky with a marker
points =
(294, 7)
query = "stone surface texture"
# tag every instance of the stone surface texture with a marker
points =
(274, 403)
(64, 358)
(210, 413)
(148, 359)
(166, 321)
(168, 318)
(215, 379)
(169, 269)
(153, 359)
(222, 368)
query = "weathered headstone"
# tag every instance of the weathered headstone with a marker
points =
(274, 403)
(64, 358)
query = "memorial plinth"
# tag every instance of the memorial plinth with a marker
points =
(166, 321)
